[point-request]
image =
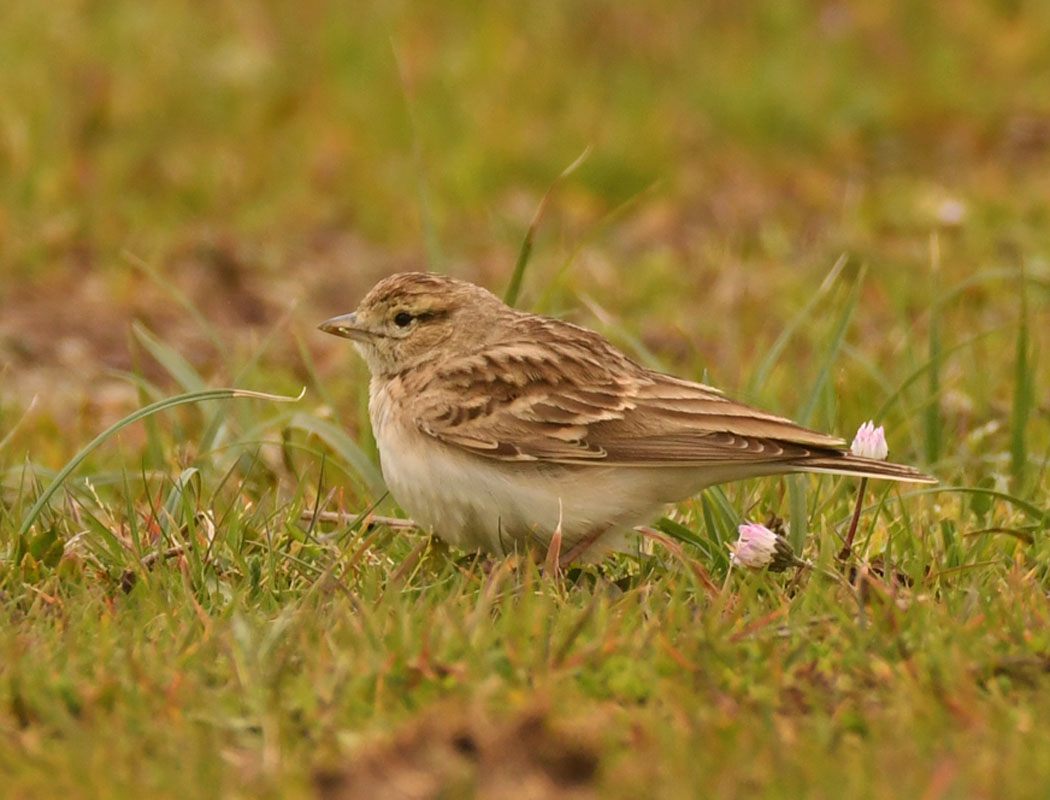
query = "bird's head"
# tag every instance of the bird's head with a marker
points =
(413, 317)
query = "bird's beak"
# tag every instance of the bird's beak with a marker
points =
(346, 326)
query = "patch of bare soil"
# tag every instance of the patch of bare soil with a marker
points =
(447, 755)
(65, 331)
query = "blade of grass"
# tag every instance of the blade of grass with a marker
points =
(346, 447)
(798, 523)
(932, 416)
(838, 334)
(217, 424)
(1040, 515)
(173, 362)
(923, 369)
(593, 234)
(1006, 274)
(514, 289)
(677, 530)
(14, 428)
(1024, 393)
(611, 327)
(797, 501)
(761, 374)
(184, 374)
(142, 413)
(435, 257)
(188, 483)
(179, 296)
(307, 361)
(720, 521)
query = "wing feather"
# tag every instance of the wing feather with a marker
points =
(575, 399)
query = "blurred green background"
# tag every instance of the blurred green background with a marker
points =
(260, 153)
(837, 210)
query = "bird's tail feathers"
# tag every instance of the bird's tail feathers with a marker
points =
(847, 464)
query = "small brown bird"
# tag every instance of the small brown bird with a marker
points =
(496, 427)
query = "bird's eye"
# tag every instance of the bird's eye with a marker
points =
(403, 319)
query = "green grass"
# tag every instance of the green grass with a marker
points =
(770, 202)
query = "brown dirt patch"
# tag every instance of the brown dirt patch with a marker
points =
(66, 329)
(456, 754)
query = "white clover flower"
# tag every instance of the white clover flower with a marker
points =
(756, 546)
(870, 442)
(761, 547)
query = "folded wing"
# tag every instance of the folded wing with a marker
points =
(574, 399)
